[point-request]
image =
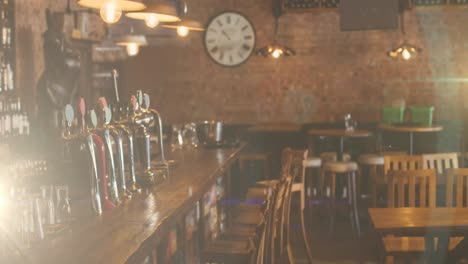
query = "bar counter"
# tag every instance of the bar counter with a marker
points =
(132, 229)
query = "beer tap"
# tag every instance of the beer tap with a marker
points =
(84, 140)
(120, 121)
(117, 135)
(101, 130)
(93, 140)
(162, 163)
(141, 120)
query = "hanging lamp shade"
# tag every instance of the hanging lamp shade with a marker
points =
(163, 11)
(185, 22)
(275, 50)
(404, 51)
(124, 5)
(124, 40)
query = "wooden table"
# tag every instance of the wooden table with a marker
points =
(342, 134)
(132, 229)
(275, 127)
(411, 129)
(428, 222)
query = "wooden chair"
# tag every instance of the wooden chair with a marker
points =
(397, 162)
(459, 198)
(243, 250)
(410, 188)
(440, 162)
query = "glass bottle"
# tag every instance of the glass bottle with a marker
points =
(63, 209)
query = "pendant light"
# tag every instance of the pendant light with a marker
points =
(132, 42)
(111, 10)
(275, 50)
(405, 50)
(184, 26)
(156, 11)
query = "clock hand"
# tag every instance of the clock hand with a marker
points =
(226, 35)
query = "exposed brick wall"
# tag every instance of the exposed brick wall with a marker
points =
(333, 73)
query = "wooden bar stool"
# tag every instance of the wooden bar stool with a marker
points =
(328, 157)
(346, 169)
(247, 158)
(375, 164)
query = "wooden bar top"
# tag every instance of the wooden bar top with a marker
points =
(116, 235)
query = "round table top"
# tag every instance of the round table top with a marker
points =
(340, 132)
(275, 127)
(411, 128)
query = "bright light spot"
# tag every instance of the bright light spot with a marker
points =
(276, 53)
(182, 31)
(406, 54)
(110, 12)
(132, 49)
(151, 20)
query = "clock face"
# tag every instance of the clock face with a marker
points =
(229, 39)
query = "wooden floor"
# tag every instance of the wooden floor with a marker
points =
(341, 246)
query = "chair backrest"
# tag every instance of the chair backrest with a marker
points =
(286, 162)
(421, 183)
(401, 162)
(440, 161)
(459, 178)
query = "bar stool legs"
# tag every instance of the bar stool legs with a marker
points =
(347, 170)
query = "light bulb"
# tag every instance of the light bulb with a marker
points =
(182, 31)
(132, 49)
(406, 54)
(151, 20)
(276, 53)
(110, 12)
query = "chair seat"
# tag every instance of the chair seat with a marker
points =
(257, 193)
(312, 162)
(340, 166)
(332, 156)
(371, 159)
(267, 183)
(412, 244)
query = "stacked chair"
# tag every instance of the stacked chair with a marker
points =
(261, 233)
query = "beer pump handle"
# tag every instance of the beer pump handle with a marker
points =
(82, 110)
(115, 75)
(102, 154)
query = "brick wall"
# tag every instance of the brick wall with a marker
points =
(333, 73)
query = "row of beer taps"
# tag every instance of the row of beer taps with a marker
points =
(117, 172)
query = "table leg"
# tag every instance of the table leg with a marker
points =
(411, 135)
(340, 153)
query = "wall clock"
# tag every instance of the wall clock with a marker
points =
(229, 39)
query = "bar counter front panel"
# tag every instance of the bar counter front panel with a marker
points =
(130, 232)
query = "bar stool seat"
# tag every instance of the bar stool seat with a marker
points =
(332, 156)
(312, 162)
(340, 166)
(371, 159)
